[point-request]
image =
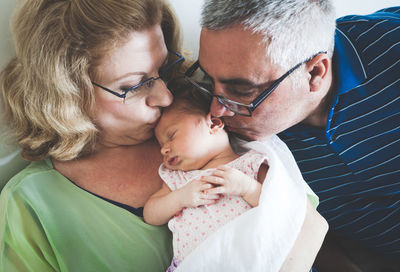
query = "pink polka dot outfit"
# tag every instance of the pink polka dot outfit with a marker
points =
(194, 225)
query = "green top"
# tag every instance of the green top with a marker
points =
(49, 224)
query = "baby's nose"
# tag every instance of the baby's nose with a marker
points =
(164, 150)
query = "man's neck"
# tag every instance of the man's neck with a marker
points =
(319, 117)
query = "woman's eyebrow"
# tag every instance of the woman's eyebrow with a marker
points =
(141, 73)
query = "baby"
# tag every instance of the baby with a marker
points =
(206, 184)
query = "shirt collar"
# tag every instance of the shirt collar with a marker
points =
(348, 68)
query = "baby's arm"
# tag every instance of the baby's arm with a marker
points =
(231, 181)
(164, 204)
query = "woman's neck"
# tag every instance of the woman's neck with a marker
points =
(126, 174)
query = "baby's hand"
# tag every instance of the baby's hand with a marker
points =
(229, 181)
(194, 194)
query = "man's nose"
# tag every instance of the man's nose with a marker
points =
(219, 110)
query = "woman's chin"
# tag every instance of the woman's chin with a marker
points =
(127, 140)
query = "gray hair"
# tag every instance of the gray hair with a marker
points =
(293, 30)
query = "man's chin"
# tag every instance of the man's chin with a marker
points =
(242, 134)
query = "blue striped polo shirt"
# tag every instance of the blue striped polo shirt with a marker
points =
(354, 164)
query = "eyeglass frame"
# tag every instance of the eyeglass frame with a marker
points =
(258, 100)
(123, 95)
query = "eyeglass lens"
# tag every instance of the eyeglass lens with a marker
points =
(205, 84)
(165, 74)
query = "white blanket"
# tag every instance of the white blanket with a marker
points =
(260, 239)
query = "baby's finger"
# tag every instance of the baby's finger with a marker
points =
(213, 180)
(207, 202)
(210, 196)
(205, 186)
(219, 173)
(223, 167)
(216, 191)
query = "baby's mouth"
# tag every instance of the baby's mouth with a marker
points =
(173, 161)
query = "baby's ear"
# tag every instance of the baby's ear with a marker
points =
(214, 123)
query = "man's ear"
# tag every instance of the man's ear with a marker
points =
(318, 69)
(214, 123)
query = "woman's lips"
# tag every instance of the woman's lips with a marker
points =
(154, 124)
(173, 161)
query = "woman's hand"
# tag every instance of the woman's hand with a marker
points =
(195, 194)
(230, 181)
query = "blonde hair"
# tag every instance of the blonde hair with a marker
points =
(47, 94)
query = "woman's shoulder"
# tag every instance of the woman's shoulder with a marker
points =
(34, 173)
(33, 185)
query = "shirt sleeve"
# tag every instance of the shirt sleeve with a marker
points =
(312, 197)
(169, 177)
(24, 245)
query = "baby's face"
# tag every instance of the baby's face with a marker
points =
(185, 139)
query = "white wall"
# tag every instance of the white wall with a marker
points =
(6, 46)
(189, 14)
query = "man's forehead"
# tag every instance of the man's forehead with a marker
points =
(228, 45)
(234, 55)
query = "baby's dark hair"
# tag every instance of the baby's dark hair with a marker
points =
(192, 100)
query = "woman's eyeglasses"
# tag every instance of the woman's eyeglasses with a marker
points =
(165, 74)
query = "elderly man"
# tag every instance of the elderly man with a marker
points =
(330, 90)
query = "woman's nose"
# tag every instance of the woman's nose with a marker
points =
(219, 110)
(160, 96)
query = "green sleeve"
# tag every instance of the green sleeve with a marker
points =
(24, 246)
(312, 197)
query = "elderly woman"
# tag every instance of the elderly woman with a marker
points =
(81, 98)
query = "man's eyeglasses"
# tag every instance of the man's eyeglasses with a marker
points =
(165, 74)
(195, 75)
